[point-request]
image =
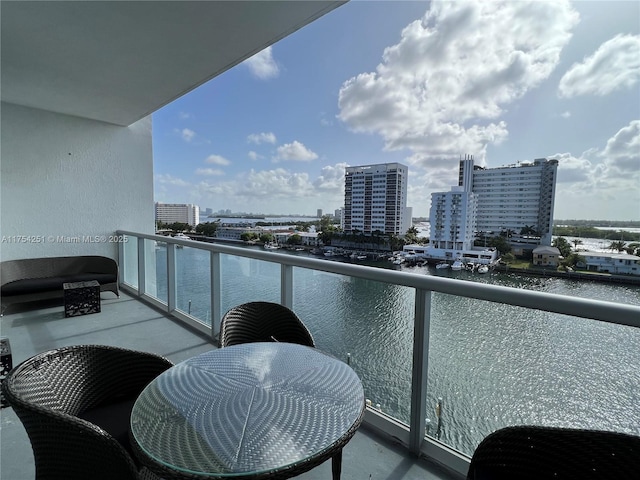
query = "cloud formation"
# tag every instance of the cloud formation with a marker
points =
(187, 134)
(217, 160)
(615, 65)
(258, 138)
(262, 65)
(440, 91)
(294, 151)
(209, 172)
(607, 173)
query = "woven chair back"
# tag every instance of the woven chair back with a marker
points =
(49, 390)
(263, 322)
(541, 453)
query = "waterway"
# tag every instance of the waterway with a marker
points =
(491, 364)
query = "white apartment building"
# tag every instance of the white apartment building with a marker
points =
(513, 197)
(452, 218)
(178, 212)
(616, 263)
(375, 199)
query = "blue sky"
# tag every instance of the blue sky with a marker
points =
(421, 83)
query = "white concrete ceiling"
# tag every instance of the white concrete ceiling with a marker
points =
(119, 61)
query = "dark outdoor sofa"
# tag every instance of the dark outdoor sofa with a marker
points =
(34, 279)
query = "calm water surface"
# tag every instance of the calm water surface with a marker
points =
(491, 364)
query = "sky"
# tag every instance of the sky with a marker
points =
(422, 84)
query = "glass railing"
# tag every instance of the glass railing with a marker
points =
(444, 361)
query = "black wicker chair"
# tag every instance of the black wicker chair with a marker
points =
(263, 322)
(540, 453)
(75, 404)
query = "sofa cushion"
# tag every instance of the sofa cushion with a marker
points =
(37, 285)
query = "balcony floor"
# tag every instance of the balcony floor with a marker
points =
(129, 323)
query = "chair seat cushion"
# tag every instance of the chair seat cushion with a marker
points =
(37, 285)
(114, 419)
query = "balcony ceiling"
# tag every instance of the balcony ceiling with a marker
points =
(119, 61)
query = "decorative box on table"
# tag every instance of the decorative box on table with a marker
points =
(81, 298)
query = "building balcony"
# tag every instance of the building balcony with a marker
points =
(132, 323)
(163, 310)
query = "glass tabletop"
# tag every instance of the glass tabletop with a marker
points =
(247, 409)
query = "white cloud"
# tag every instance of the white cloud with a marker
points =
(217, 160)
(263, 137)
(331, 179)
(254, 156)
(262, 64)
(184, 115)
(440, 91)
(166, 179)
(209, 172)
(601, 178)
(622, 151)
(614, 66)
(187, 134)
(566, 114)
(294, 151)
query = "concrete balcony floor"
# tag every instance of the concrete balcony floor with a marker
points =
(129, 323)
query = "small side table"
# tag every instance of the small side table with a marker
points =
(6, 364)
(81, 298)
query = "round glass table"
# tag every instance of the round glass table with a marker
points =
(257, 410)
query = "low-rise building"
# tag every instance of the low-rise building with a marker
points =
(545, 256)
(617, 263)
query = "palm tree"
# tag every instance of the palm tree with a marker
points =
(617, 246)
(576, 242)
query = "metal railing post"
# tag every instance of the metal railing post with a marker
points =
(286, 285)
(422, 323)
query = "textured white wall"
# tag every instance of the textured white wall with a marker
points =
(65, 179)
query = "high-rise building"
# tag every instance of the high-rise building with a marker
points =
(375, 199)
(517, 199)
(178, 212)
(452, 219)
(319, 213)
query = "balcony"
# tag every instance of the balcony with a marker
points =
(155, 313)
(131, 323)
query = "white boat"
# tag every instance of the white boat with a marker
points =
(457, 265)
(271, 246)
(483, 269)
(442, 265)
(181, 236)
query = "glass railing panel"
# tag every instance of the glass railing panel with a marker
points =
(152, 250)
(495, 365)
(371, 321)
(193, 283)
(160, 251)
(129, 263)
(246, 279)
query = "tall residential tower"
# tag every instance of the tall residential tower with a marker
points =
(518, 198)
(375, 199)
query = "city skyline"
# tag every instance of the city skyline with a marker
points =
(422, 84)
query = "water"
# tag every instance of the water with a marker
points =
(492, 364)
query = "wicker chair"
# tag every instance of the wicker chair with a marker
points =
(75, 404)
(540, 453)
(263, 322)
